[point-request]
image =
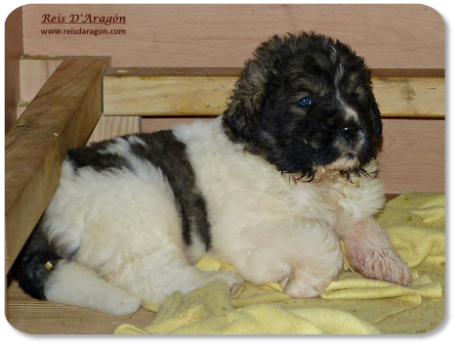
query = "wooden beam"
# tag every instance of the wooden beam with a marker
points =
(410, 96)
(166, 95)
(236, 71)
(61, 116)
(138, 92)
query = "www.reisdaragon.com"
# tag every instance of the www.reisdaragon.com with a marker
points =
(83, 31)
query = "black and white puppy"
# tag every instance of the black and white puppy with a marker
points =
(270, 186)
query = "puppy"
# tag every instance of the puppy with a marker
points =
(271, 186)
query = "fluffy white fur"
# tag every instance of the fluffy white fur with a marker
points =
(127, 229)
(73, 283)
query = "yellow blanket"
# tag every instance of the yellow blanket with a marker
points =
(350, 305)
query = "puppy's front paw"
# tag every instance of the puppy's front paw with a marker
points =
(301, 289)
(232, 279)
(381, 264)
(303, 283)
(370, 252)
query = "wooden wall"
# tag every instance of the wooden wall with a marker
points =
(388, 36)
(13, 51)
(223, 36)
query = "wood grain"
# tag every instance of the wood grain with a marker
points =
(61, 116)
(166, 95)
(388, 36)
(109, 127)
(13, 52)
(207, 95)
(412, 156)
(411, 96)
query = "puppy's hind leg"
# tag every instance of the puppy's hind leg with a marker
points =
(44, 274)
(370, 252)
(154, 277)
(73, 284)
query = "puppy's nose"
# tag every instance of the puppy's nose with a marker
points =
(349, 131)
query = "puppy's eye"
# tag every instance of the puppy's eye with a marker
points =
(305, 101)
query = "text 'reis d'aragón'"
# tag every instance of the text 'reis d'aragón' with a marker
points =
(83, 18)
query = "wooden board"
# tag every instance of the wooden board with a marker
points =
(61, 116)
(410, 96)
(207, 95)
(166, 95)
(412, 157)
(387, 35)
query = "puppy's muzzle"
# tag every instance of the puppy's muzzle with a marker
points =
(349, 131)
(349, 139)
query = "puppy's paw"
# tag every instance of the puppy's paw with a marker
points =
(297, 289)
(370, 252)
(128, 306)
(304, 285)
(232, 279)
(382, 264)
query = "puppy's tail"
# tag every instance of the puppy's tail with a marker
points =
(45, 275)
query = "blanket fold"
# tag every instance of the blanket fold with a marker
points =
(351, 304)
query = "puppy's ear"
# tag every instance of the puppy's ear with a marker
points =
(247, 100)
(376, 119)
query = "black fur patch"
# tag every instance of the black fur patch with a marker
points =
(265, 115)
(91, 156)
(29, 268)
(169, 155)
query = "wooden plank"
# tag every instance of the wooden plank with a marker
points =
(215, 35)
(412, 156)
(109, 127)
(166, 95)
(228, 71)
(410, 97)
(207, 95)
(13, 52)
(61, 116)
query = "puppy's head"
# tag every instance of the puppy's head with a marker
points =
(305, 103)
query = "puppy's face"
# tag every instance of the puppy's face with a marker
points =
(305, 103)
